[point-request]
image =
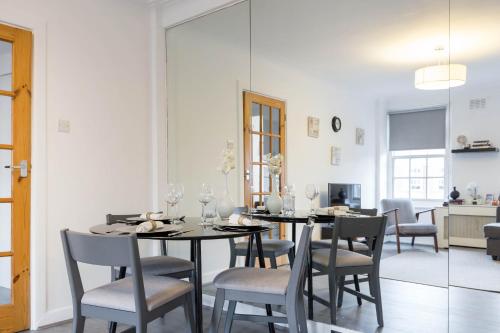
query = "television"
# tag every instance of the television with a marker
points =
(344, 195)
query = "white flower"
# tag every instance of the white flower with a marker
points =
(228, 158)
(274, 163)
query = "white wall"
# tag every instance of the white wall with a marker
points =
(480, 124)
(208, 66)
(207, 69)
(93, 58)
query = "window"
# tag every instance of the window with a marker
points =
(418, 174)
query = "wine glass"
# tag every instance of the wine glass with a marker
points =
(175, 192)
(206, 195)
(312, 192)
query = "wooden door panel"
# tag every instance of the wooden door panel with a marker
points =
(15, 84)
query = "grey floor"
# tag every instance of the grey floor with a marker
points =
(408, 307)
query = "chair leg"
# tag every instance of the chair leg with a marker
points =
(341, 292)
(141, 328)
(356, 286)
(292, 318)
(332, 283)
(398, 244)
(217, 312)
(252, 261)
(370, 285)
(79, 324)
(378, 299)
(112, 327)
(274, 264)
(494, 257)
(229, 316)
(188, 312)
(436, 244)
(291, 257)
(232, 260)
(412, 241)
(301, 314)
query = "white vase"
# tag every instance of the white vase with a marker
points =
(274, 203)
(225, 205)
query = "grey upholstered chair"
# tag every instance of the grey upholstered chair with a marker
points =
(273, 248)
(338, 263)
(492, 234)
(355, 245)
(134, 300)
(157, 265)
(265, 286)
(402, 221)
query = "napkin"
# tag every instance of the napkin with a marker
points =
(335, 210)
(240, 220)
(154, 216)
(149, 226)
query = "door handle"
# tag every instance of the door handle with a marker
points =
(23, 167)
(247, 174)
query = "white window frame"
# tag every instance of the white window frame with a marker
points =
(414, 155)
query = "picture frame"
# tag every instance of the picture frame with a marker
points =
(360, 136)
(488, 198)
(313, 127)
(335, 155)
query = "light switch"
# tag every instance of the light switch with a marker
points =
(64, 126)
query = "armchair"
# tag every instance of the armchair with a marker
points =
(402, 221)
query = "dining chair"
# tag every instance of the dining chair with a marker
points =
(265, 286)
(272, 248)
(162, 265)
(338, 263)
(402, 221)
(135, 300)
(356, 245)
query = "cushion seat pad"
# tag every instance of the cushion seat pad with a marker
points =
(492, 230)
(119, 295)
(164, 265)
(344, 258)
(259, 280)
(413, 229)
(268, 245)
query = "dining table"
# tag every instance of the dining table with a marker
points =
(192, 231)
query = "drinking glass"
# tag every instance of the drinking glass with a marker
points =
(175, 192)
(206, 195)
(289, 200)
(312, 192)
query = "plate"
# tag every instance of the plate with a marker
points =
(130, 229)
(140, 219)
(254, 223)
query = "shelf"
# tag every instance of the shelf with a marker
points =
(475, 150)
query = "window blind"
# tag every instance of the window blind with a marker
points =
(425, 129)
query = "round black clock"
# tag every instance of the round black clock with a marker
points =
(336, 124)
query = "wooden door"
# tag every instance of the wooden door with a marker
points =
(264, 133)
(15, 149)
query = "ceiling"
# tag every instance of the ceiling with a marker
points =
(375, 46)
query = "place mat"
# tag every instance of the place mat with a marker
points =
(131, 229)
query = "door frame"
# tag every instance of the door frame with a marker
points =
(248, 98)
(39, 314)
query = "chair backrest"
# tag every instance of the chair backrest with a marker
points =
(406, 212)
(101, 250)
(365, 211)
(498, 214)
(370, 228)
(295, 284)
(112, 219)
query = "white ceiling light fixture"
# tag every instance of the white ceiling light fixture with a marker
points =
(440, 76)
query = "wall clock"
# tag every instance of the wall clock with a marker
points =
(336, 124)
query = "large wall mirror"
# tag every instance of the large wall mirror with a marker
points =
(356, 97)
